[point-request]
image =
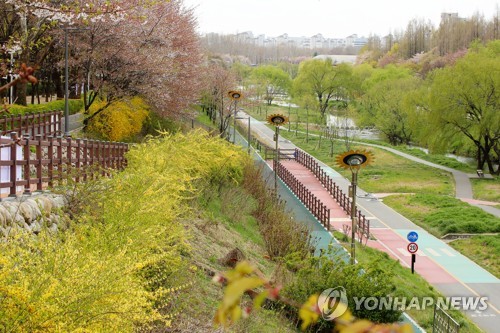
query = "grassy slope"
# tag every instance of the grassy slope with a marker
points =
(484, 250)
(223, 224)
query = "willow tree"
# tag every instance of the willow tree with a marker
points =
(324, 80)
(465, 99)
(392, 108)
(273, 81)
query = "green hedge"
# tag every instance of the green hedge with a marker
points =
(75, 106)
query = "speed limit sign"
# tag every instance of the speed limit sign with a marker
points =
(412, 248)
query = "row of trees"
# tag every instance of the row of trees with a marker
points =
(453, 34)
(116, 49)
(420, 36)
(453, 107)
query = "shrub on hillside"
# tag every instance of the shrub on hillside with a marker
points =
(282, 235)
(119, 121)
(119, 267)
(319, 274)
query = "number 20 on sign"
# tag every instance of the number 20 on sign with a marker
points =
(412, 248)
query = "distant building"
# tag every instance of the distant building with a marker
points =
(317, 41)
(355, 41)
(338, 58)
(451, 17)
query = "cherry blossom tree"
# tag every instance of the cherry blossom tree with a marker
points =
(129, 47)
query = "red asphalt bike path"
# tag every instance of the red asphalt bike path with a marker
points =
(387, 240)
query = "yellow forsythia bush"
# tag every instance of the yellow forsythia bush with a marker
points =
(120, 267)
(121, 120)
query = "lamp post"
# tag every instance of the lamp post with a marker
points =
(276, 120)
(235, 96)
(354, 160)
(354, 165)
(66, 78)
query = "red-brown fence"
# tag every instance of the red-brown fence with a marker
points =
(342, 199)
(315, 206)
(32, 124)
(33, 164)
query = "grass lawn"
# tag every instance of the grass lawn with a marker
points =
(484, 250)
(441, 215)
(487, 189)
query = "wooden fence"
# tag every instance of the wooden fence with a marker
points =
(315, 206)
(33, 164)
(32, 124)
(342, 199)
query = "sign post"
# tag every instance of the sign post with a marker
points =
(412, 248)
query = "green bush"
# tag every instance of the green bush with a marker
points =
(319, 274)
(74, 106)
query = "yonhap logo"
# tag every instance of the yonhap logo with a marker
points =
(332, 303)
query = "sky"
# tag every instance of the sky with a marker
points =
(331, 18)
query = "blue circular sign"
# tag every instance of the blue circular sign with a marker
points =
(412, 236)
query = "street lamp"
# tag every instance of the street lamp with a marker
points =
(235, 96)
(276, 120)
(66, 78)
(354, 160)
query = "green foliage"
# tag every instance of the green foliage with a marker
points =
(318, 274)
(442, 214)
(390, 107)
(390, 72)
(241, 71)
(272, 80)
(121, 263)
(120, 120)
(484, 250)
(74, 106)
(155, 124)
(487, 189)
(464, 101)
(320, 80)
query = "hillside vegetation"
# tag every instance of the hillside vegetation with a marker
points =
(123, 259)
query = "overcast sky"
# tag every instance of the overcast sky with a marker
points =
(331, 18)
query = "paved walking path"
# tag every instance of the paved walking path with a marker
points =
(450, 272)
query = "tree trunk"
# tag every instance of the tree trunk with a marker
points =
(21, 93)
(56, 77)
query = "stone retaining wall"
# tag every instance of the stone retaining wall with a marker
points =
(32, 213)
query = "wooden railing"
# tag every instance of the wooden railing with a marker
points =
(32, 124)
(35, 164)
(315, 206)
(342, 199)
